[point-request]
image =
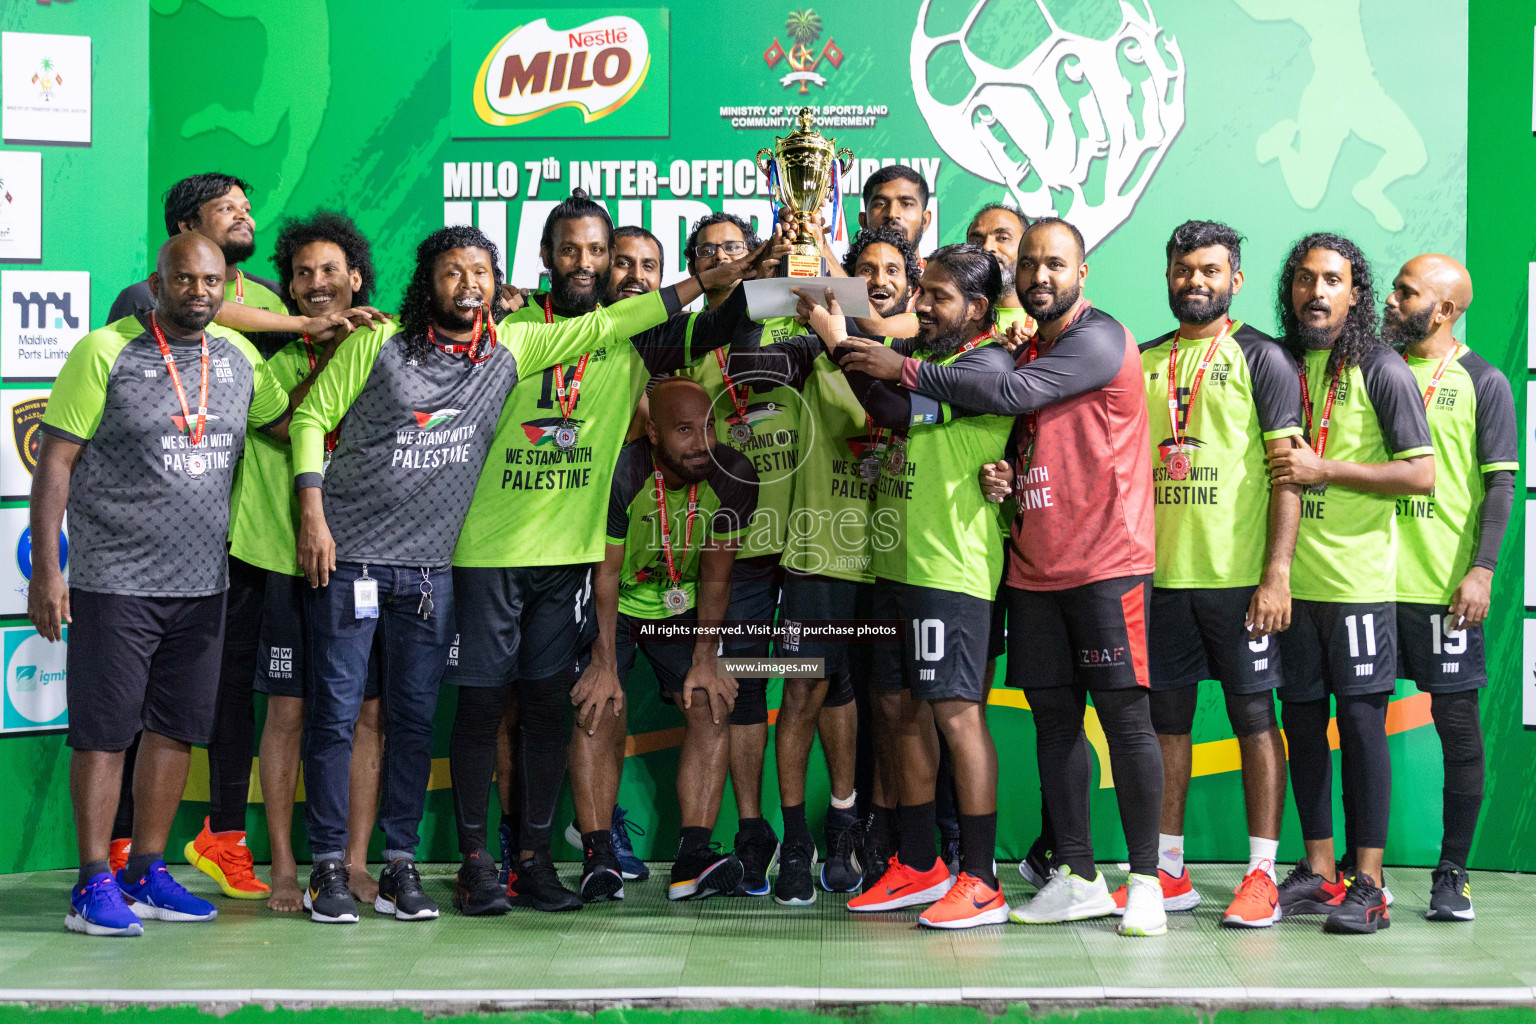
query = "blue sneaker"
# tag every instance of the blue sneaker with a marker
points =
(97, 908)
(504, 833)
(630, 866)
(159, 896)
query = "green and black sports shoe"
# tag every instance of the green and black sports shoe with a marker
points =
(1450, 894)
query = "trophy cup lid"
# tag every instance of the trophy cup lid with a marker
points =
(805, 136)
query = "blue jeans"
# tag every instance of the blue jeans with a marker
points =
(415, 655)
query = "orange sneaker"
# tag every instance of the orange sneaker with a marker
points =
(117, 858)
(224, 857)
(901, 887)
(970, 902)
(1178, 893)
(1257, 904)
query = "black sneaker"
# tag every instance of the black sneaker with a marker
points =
(1038, 863)
(703, 873)
(795, 886)
(842, 871)
(477, 890)
(400, 893)
(328, 899)
(1450, 894)
(949, 852)
(534, 884)
(601, 878)
(1304, 891)
(758, 852)
(878, 851)
(1363, 910)
(1347, 872)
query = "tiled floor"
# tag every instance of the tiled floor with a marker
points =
(647, 943)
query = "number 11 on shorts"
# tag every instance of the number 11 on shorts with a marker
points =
(1368, 622)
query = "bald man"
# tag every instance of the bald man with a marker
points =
(140, 440)
(678, 509)
(1448, 542)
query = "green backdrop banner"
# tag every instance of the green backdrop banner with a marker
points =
(1128, 118)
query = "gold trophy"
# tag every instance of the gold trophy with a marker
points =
(800, 168)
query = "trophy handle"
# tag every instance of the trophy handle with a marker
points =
(845, 159)
(765, 159)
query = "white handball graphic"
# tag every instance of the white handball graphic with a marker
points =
(1016, 128)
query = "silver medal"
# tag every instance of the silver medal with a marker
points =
(676, 599)
(896, 461)
(197, 464)
(869, 468)
(741, 432)
(565, 436)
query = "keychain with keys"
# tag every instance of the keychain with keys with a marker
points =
(365, 596)
(424, 609)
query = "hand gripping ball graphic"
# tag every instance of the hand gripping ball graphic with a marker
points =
(1016, 127)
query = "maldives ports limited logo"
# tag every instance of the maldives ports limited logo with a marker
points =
(610, 70)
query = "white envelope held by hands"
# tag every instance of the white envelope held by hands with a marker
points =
(769, 297)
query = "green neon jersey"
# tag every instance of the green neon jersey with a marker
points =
(773, 419)
(725, 501)
(1211, 524)
(1472, 422)
(932, 526)
(1346, 545)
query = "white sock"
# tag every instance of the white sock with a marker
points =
(1170, 854)
(843, 805)
(1261, 854)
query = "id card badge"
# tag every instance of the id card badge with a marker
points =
(365, 598)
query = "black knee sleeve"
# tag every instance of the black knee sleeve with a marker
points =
(545, 730)
(1368, 780)
(1458, 722)
(1173, 711)
(751, 702)
(839, 691)
(1251, 714)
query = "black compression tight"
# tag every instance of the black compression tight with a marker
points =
(1367, 768)
(1459, 724)
(1061, 748)
(543, 707)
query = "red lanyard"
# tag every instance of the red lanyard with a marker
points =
(470, 349)
(1194, 389)
(566, 409)
(1320, 442)
(309, 350)
(673, 573)
(181, 396)
(739, 398)
(1434, 382)
(239, 287)
(990, 332)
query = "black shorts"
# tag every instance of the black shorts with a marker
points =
(808, 598)
(1347, 650)
(521, 623)
(1437, 659)
(1202, 634)
(280, 640)
(670, 659)
(142, 663)
(754, 598)
(943, 652)
(1093, 636)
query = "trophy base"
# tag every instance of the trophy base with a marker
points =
(801, 265)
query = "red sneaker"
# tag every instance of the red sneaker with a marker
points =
(970, 902)
(1178, 893)
(901, 887)
(224, 857)
(1257, 904)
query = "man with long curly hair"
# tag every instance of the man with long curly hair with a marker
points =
(378, 524)
(1367, 442)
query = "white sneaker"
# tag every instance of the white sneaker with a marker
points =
(1066, 897)
(1144, 913)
